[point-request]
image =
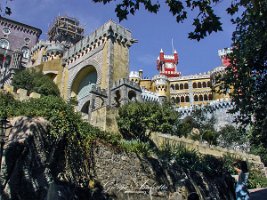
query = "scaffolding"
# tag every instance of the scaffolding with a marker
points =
(66, 29)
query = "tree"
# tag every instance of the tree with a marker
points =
(35, 82)
(205, 23)
(136, 118)
(229, 136)
(248, 70)
(4, 8)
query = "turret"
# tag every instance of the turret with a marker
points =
(161, 83)
(135, 76)
(166, 64)
(223, 55)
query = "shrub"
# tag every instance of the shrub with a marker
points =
(136, 118)
(35, 82)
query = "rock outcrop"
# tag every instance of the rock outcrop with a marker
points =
(33, 168)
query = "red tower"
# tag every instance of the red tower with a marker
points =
(166, 64)
(223, 55)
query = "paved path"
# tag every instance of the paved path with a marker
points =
(258, 194)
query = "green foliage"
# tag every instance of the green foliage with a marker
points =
(136, 118)
(35, 82)
(261, 151)
(191, 159)
(247, 73)
(205, 22)
(229, 136)
(136, 146)
(185, 126)
(256, 179)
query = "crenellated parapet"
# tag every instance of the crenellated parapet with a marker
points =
(55, 48)
(109, 30)
(191, 77)
(212, 106)
(149, 96)
(126, 82)
(98, 91)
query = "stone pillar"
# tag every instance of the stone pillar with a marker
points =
(191, 96)
(110, 64)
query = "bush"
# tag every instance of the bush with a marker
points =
(136, 118)
(35, 82)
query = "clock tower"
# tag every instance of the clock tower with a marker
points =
(166, 64)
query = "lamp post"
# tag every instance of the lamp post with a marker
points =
(3, 126)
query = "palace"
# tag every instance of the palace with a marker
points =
(93, 70)
(182, 91)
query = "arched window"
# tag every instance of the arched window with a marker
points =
(205, 97)
(210, 96)
(195, 98)
(186, 86)
(200, 98)
(204, 84)
(181, 86)
(199, 85)
(172, 86)
(172, 100)
(177, 99)
(25, 52)
(176, 86)
(182, 99)
(209, 85)
(187, 98)
(4, 44)
(194, 85)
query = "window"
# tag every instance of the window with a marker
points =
(181, 86)
(199, 85)
(204, 84)
(6, 31)
(194, 85)
(25, 52)
(182, 99)
(195, 98)
(187, 99)
(176, 87)
(4, 44)
(186, 86)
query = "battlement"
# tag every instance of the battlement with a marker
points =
(134, 74)
(98, 91)
(20, 94)
(97, 38)
(224, 52)
(127, 82)
(39, 46)
(212, 106)
(218, 70)
(149, 96)
(191, 77)
(160, 76)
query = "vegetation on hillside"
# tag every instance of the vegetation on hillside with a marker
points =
(135, 119)
(35, 82)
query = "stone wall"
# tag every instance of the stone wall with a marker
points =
(105, 119)
(20, 94)
(128, 176)
(31, 163)
(160, 139)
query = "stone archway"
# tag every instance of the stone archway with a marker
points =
(85, 107)
(83, 82)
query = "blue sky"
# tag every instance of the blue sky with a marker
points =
(153, 31)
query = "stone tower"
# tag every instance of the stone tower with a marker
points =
(66, 29)
(161, 84)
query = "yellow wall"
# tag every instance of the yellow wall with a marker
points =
(121, 61)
